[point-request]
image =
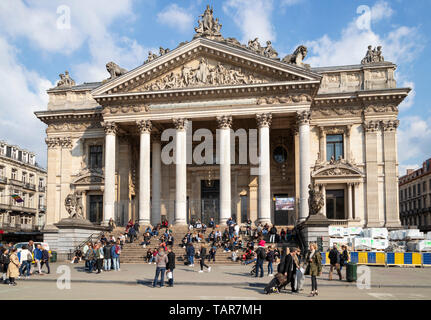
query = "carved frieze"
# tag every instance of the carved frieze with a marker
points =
(381, 109)
(134, 108)
(330, 111)
(73, 126)
(202, 75)
(284, 99)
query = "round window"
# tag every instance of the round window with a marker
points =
(280, 154)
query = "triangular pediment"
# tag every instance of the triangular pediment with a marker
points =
(338, 169)
(205, 63)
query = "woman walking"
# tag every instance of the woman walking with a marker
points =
(314, 267)
(13, 268)
(202, 257)
(4, 261)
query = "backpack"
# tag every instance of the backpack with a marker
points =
(262, 254)
(117, 249)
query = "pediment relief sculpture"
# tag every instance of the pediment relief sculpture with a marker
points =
(89, 176)
(339, 167)
(205, 73)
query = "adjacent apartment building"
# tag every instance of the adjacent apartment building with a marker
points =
(21, 178)
(415, 197)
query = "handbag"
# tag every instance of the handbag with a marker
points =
(169, 275)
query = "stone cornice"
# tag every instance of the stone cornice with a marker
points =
(69, 115)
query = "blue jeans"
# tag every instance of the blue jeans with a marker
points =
(107, 264)
(250, 261)
(25, 264)
(90, 265)
(162, 276)
(152, 259)
(116, 263)
(270, 268)
(259, 266)
(191, 259)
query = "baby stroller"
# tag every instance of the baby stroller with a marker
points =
(253, 270)
(274, 286)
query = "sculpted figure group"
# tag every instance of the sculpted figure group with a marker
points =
(203, 74)
(65, 80)
(373, 55)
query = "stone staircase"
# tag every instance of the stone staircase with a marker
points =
(135, 253)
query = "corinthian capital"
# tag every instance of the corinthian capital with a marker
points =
(390, 125)
(303, 117)
(52, 142)
(180, 123)
(144, 126)
(264, 119)
(224, 122)
(371, 126)
(110, 127)
(66, 143)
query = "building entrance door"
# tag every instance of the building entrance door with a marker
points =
(210, 200)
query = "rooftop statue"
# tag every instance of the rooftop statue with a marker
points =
(163, 51)
(207, 26)
(373, 55)
(65, 80)
(297, 57)
(114, 70)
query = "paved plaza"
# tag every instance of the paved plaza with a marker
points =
(222, 283)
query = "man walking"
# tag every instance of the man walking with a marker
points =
(290, 268)
(45, 260)
(170, 266)
(191, 254)
(260, 258)
(334, 259)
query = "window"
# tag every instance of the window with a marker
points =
(9, 152)
(14, 174)
(419, 189)
(95, 157)
(24, 177)
(280, 155)
(40, 182)
(335, 204)
(96, 208)
(30, 201)
(414, 191)
(2, 171)
(334, 146)
(31, 178)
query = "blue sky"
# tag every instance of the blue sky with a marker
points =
(34, 50)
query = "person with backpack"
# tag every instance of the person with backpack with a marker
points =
(4, 263)
(25, 261)
(270, 259)
(115, 255)
(260, 258)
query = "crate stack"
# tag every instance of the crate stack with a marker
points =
(410, 240)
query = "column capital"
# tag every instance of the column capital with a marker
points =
(63, 142)
(303, 117)
(224, 122)
(371, 126)
(144, 126)
(180, 124)
(389, 125)
(264, 119)
(110, 127)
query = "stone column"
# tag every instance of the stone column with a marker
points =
(264, 122)
(109, 190)
(144, 127)
(322, 144)
(372, 191)
(356, 193)
(350, 201)
(224, 125)
(303, 120)
(324, 199)
(156, 180)
(181, 171)
(348, 149)
(52, 180)
(392, 216)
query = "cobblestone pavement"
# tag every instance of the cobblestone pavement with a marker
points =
(223, 282)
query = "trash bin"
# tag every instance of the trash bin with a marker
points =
(53, 256)
(351, 271)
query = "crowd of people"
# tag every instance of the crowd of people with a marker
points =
(23, 263)
(103, 255)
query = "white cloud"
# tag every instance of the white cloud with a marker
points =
(414, 143)
(400, 45)
(176, 17)
(21, 93)
(254, 20)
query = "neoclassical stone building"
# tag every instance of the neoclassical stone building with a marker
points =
(332, 127)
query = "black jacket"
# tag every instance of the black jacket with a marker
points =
(334, 256)
(107, 252)
(273, 230)
(203, 253)
(288, 266)
(261, 254)
(171, 261)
